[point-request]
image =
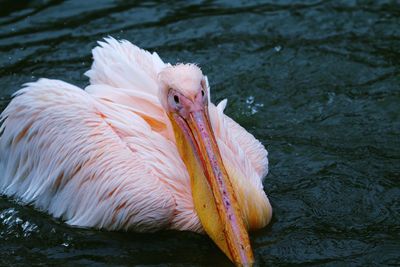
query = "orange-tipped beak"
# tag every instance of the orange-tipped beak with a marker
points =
(213, 194)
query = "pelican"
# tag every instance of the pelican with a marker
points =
(141, 148)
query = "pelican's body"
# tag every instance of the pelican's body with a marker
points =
(109, 156)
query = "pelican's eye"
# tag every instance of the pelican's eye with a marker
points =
(203, 90)
(176, 99)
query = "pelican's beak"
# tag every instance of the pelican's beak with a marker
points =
(214, 198)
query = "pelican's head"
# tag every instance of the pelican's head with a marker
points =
(184, 96)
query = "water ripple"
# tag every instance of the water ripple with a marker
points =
(12, 226)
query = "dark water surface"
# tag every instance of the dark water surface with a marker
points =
(318, 82)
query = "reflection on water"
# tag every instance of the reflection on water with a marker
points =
(316, 81)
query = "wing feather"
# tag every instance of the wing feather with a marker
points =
(121, 64)
(92, 164)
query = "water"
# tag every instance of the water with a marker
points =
(318, 82)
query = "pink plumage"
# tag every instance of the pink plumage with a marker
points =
(106, 156)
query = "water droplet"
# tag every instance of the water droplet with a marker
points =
(331, 96)
(250, 100)
(278, 48)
